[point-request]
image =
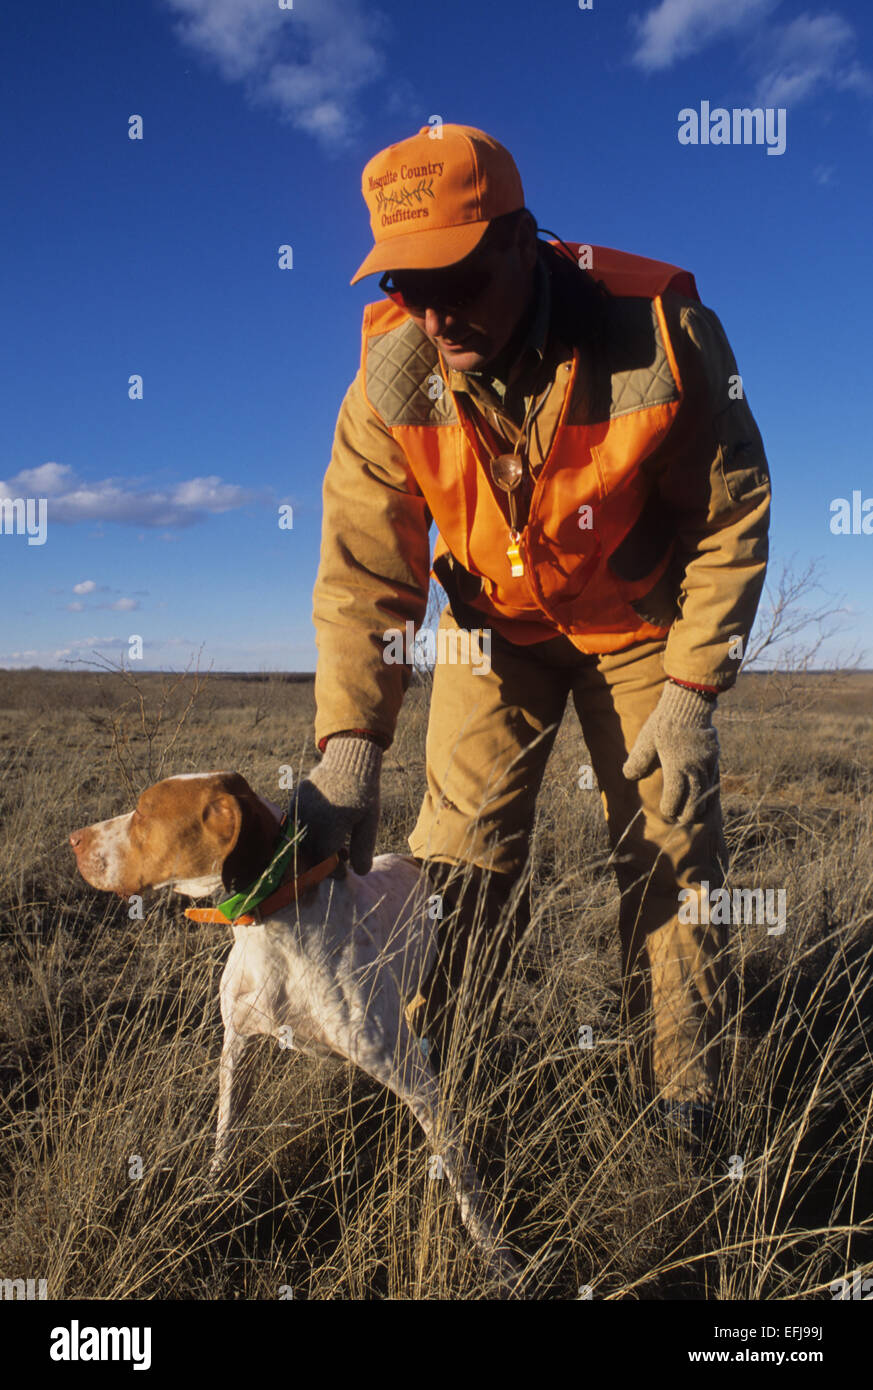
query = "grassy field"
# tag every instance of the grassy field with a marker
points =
(110, 1034)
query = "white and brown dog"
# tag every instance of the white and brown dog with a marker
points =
(333, 971)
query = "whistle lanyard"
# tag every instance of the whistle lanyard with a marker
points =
(507, 472)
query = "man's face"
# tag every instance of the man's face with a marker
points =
(470, 309)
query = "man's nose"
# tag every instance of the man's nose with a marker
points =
(435, 322)
(441, 323)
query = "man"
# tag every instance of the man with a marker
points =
(602, 496)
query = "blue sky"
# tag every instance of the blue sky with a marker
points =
(159, 257)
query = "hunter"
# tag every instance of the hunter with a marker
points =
(573, 420)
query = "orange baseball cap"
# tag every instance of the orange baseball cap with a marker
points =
(432, 196)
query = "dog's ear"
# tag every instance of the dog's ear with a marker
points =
(243, 832)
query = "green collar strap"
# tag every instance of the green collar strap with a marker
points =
(269, 880)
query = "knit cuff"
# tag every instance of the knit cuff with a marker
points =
(359, 757)
(687, 707)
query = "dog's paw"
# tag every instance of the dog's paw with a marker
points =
(219, 1172)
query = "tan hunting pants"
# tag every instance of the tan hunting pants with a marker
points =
(489, 737)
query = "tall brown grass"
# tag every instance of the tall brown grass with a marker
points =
(110, 1036)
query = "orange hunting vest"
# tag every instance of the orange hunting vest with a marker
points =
(587, 496)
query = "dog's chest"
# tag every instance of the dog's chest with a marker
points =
(270, 987)
(345, 960)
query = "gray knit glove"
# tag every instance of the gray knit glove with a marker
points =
(679, 735)
(340, 798)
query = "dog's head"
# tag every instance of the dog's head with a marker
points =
(197, 832)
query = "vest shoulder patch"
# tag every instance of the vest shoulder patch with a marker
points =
(403, 379)
(636, 372)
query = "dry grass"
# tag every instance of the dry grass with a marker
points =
(110, 1035)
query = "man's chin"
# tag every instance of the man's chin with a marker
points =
(463, 359)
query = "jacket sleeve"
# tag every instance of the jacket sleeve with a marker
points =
(372, 576)
(717, 487)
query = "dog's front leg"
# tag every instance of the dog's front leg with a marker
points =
(235, 1078)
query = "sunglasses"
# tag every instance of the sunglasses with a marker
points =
(416, 296)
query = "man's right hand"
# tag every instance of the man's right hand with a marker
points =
(340, 799)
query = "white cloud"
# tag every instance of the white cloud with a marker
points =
(207, 494)
(810, 53)
(90, 586)
(38, 482)
(76, 649)
(855, 79)
(311, 63)
(789, 61)
(675, 29)
(72, 500)
(173, 654)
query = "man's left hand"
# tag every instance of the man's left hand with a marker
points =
(679, 735)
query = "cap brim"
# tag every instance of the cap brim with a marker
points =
(423, 250)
